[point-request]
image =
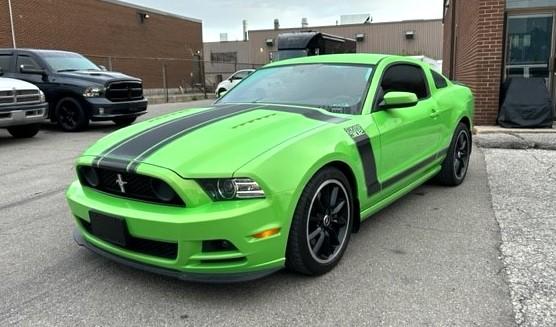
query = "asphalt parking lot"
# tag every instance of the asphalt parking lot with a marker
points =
(431, 259)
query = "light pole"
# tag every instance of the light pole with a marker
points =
(12, 23)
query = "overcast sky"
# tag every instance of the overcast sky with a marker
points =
(225, 16)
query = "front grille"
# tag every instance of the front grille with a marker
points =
(136, 186)
(19, 97)
(124, 91)
(141, 245)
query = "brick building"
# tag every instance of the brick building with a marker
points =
(135, 40)
(489, 41)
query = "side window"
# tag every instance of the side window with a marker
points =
(240, 75)
(405, 78)
(439, 80)
(5, 60)
(26, 60)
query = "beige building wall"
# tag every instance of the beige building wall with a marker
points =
(217, 70)
(387, 38)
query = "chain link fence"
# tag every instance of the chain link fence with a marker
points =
(168, 78)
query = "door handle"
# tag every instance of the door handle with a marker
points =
(434, 113)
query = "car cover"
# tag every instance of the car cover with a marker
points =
(526, 103)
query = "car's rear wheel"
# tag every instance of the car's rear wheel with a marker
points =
(456, 163)
(322, 224)
(24, 131)
(71, 115)
(124, 121)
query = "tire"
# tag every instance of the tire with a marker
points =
(124, 121)
(455, 165)
(24, 131)
(316, 244)
(71, 115)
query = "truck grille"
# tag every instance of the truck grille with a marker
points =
(19, 97)
(124, 91)
(135, 186)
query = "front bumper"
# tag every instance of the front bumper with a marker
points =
(23, 114)
(188, 228)
(186, 276)
(104, 109)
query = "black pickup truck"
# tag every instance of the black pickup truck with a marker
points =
(77, 90)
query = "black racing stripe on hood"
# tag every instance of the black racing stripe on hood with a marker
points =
(127, 154)
(309, 113)
(135, 146)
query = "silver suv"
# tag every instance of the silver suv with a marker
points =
(22, 107)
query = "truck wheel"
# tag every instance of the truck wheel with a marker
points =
(321, 225)
(24, 131)
(454, 167)
(124, 121)
(70, 115)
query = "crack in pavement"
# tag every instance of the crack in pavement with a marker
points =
(37, 196)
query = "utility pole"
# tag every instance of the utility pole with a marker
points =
(12, 23)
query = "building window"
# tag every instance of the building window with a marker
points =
(223, 57)
(515, 4)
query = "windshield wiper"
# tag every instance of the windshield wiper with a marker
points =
(66, 70)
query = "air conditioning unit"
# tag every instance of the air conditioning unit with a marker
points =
(269, 42)
(359, 37)
(409, 35)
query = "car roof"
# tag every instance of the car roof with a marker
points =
(344, 58)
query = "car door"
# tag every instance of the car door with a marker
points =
(6, 63)
(408, 135)
(29, 61)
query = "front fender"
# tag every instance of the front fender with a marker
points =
(284, 172)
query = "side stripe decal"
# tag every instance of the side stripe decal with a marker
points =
(365, 150)
(410, 171)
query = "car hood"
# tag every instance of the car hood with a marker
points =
(209, 142)
(10, 84)
(98, 77)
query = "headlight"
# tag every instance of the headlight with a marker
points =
(231, 188)
(41, 96)
(93, 91)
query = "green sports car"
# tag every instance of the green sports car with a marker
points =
(277, 173)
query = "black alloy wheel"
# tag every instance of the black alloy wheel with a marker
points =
(322, 224)
(327, 221)
(461, 155)
(71, 116)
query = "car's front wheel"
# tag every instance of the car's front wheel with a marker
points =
(322, 224)
(24, 131)
(71, 115)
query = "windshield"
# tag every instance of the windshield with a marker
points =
(337, 88)
(67, 62)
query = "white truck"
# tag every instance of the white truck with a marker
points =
(22, 107)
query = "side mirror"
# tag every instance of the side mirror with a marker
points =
(103, 68)
(221, 94)
(28, 69)
(396, 99)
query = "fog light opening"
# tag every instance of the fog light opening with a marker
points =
(267, 233)
(91, 176)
